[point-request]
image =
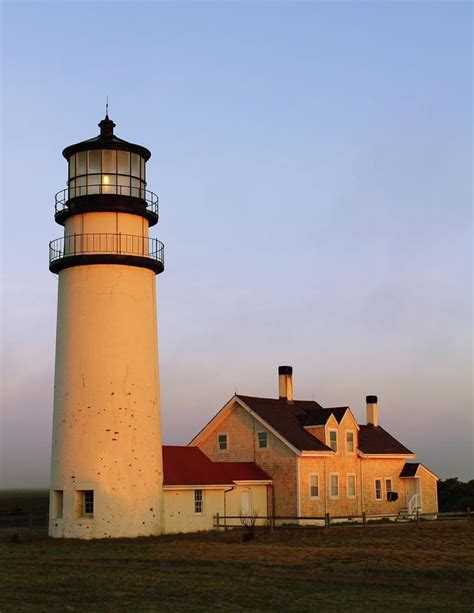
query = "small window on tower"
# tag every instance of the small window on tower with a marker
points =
(58, 504)
(88, 503)
(222, 443)
(262, 440)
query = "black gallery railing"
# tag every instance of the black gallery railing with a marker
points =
(62, 197)
(104, 243)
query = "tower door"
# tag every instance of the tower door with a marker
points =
(245, 503)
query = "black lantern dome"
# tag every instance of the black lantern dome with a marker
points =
(106, 165)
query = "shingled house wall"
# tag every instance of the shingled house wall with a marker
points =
(277, 460)
(429, 491)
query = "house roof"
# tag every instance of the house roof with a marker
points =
(374, 439)
(409, 469)
(289, 419)
(190, 466)
(285, 418)
(319, 416)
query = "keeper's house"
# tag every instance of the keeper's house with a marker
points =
(315, 460)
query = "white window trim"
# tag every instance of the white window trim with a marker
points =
(381, 489)
(258, 440)
(309, 481)
(226, 450)
(353, 443)
(338, 486)
(352, 497)
(202, 502)
(329, 439)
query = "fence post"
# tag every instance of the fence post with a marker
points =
(364, 519)
(327, 521)
(217, 521)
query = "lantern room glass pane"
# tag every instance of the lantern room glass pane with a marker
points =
(81, 188)
(124, 185)
(137, 188)
(135, 165)
(93, 161)
(80, 163)
(123, 162)
(93, 184)
(109, 161)
(109, 184)
(142, 168)
(72, 166)
(72, 188)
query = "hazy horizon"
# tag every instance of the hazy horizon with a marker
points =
(314, 168)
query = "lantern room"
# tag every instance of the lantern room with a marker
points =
(106, 166)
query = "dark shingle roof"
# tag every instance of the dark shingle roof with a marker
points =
(284, 417)
(190, 466)
(319, 417)
(290, 419)
(374, 439)
(409, 470)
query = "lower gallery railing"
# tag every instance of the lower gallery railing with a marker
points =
(106, 243)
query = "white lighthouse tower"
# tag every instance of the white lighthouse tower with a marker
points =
(106, 470)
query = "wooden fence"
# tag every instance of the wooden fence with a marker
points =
(282, 521)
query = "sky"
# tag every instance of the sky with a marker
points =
(314, 166)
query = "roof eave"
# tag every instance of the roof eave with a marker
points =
(385, 455)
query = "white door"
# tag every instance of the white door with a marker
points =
(245, 503)
(411, 489)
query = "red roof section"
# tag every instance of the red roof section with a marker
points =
(190, 466)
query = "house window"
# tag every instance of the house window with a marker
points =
(262, 440)
(351, 486)
(58, 497)
(388, 486)
(222, 442)
(198, 502)
(350, 441)
(334, 486)
(333, 439)
(378, 489)
(314, 486)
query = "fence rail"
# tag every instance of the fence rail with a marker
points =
(327, 520)
(39, 520)
(23, 520)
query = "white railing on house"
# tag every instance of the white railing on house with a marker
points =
(414, 504)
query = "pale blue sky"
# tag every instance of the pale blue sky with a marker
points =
(313, 162)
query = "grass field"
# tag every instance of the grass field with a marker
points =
(380, 568)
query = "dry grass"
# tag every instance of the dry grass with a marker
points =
(430, 569)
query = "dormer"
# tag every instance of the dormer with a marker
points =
(335, 427)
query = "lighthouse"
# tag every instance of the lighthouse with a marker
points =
(106, 466)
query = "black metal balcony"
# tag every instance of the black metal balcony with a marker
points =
(106, 197)
(105, 248)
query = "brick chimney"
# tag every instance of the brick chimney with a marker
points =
(372, 410)
(285, 383)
